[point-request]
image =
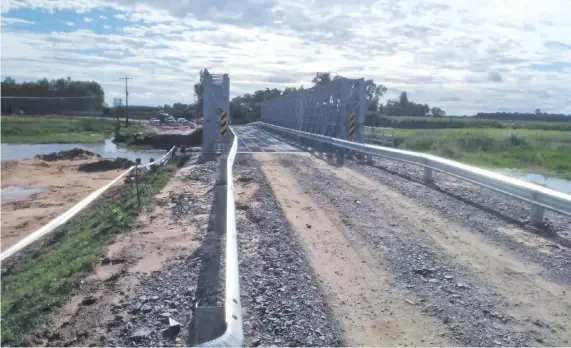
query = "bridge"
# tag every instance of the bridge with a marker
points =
(317, 238)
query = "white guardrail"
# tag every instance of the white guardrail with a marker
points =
(233, 336)
(539, 197)
(65, 217)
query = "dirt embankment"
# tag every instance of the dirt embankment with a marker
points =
(36, 191)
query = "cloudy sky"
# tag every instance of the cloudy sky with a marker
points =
(463, 55)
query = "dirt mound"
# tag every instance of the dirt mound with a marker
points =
(106, 164)
(72, 154)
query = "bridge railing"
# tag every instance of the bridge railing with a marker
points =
(540, 198)
(225, 217)
(73, 211)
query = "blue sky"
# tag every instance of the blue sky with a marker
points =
(462, 55)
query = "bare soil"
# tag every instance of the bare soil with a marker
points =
(125, 301)
(63, 186)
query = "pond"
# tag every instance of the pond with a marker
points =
(108, 150)
(556, 184)
(15, 192)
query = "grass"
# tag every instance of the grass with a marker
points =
(41, 130)
(543, 151)
(411, 122)
(43, 282)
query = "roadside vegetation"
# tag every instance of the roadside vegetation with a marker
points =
(85, 130)
(541, 151)
(410, 122)
(41, 282)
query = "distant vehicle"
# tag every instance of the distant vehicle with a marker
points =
(155, 121)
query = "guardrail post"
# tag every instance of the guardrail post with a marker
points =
(223, 175)
(369, 159)
(537, 215)
(340, 156)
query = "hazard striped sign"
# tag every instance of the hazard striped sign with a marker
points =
(223, 122)
(352, 128)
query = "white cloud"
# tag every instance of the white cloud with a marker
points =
(463, 55)
(87, 19)
(69, 24)
(11, 21)
(102, 17)
(105, 26)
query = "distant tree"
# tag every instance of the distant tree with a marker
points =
(289, 90)
(403, 100)
(50, 96)
(438, 112)
(538, 111)
(199, 91)
(117, 103)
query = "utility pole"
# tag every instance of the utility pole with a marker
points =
(126, 78)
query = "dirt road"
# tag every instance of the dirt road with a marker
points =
(396, 272)
(58, 186)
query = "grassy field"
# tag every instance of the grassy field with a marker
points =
(540, 151)
(410, 122)
(38, 285)
(41, 130)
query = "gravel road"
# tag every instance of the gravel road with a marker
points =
(452, 258)
(282, 298)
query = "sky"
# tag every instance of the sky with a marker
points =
(465, 56)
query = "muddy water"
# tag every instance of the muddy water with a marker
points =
(556, 184)
(18, 192)
(108, 149)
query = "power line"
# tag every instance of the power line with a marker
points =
(20, 97)
(126, 78)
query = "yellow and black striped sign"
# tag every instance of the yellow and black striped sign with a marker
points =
(223, 122)
(352, 125)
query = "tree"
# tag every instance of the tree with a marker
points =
(199, 91)
(403, 100)
(51, 96)
(117, 103)
(438, 112)
(538, 111)
(373, 94)
(323, 78)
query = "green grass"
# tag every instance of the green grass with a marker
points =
(42, 283)
(41, 130)
(543, 151)
(411, 122)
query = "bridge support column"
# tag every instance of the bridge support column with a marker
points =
(536, 215)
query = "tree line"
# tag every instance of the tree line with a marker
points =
(45, 96)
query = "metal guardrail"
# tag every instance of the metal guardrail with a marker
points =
(539, 197)
(225, 217)
(381, 135)
(65, 217)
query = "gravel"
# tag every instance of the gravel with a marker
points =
(161, 313)
(283, 302)
(482, 209)
(474, 313)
